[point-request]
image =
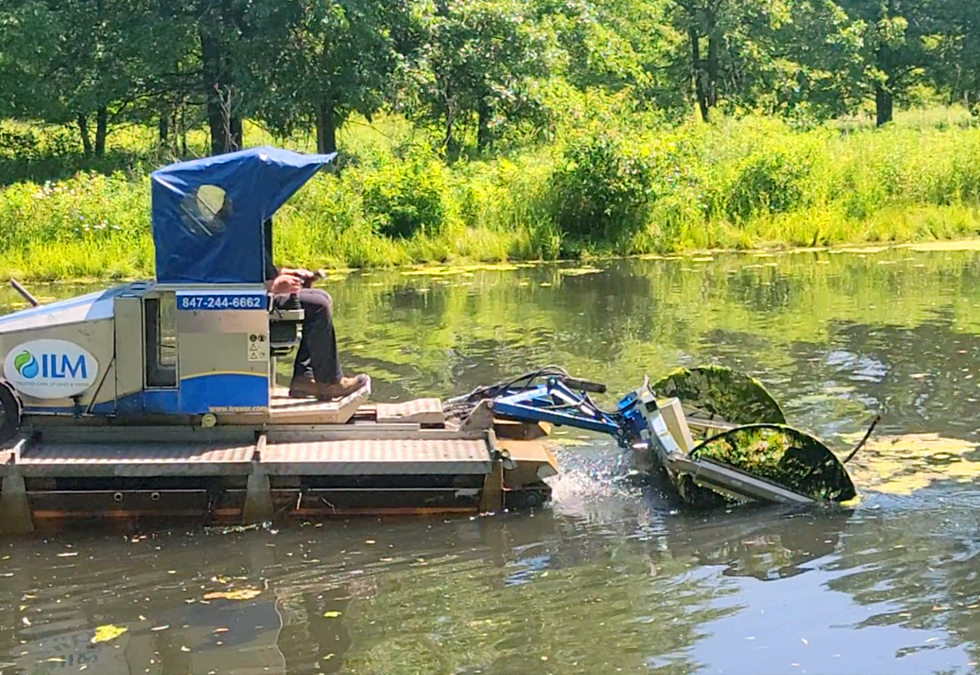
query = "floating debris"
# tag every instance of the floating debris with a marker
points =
(107, 633)
(241, 594)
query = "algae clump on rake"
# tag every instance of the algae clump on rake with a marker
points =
(746, 430)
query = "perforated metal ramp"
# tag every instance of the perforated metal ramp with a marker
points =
(377, 457)
(145, 459)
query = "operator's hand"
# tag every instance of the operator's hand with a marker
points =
(304, 275)
(286, 284)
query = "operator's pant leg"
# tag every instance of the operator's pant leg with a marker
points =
(317, 356)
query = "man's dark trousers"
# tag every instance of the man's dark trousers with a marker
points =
(317, 356)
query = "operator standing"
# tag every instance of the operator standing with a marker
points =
(316, 371)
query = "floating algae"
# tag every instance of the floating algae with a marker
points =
(442, 271)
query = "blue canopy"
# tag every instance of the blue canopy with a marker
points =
(208, 214)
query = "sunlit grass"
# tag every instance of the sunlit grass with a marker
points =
(734, 184)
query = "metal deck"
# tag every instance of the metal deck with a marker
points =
(378, 457)
(303, 458)
(356, 451)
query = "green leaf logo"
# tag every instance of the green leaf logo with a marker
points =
(21, 360)
(25, 364)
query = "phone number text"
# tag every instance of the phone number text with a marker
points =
(217, 302)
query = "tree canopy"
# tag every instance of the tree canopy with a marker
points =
(471, 69)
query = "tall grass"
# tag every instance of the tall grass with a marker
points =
(630, 188)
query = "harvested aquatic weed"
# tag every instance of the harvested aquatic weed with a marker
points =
(784, 456)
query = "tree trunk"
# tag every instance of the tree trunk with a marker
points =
(714, 60)
(697, 72)
(163, 129)
(224, 125)
(101, 131)
(884, 60)
(326, 128)
(209, 67)
(83, 130)
(483, 125)
(884, 105)
(236, 130)
(183, 130)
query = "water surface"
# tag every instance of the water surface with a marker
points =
(612, 577)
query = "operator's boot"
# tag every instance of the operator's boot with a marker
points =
(345, 386)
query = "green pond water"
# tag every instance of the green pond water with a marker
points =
(611, 577)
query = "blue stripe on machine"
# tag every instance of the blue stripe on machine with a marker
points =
(204, 393)
(199, 394)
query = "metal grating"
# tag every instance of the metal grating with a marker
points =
(377, 457)
(142, 459)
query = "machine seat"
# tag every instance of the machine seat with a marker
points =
(284, 328)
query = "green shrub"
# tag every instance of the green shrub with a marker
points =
(403, 199)
(770, 181)
(601, 191)
(16, 141)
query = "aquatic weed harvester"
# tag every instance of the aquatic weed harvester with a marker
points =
(158, 399)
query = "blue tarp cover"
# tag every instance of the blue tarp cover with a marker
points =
(208, 214)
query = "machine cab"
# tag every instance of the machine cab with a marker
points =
(203, 336)
(210, 330)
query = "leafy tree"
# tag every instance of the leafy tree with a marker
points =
(612, 44)
(897, 47)
(821, 49)
(481, 61)
(957, 65)
(732, 52)
(326, 59)
(64, 61)
(219, 40)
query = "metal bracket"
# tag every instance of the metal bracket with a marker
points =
(15, 510)
(258, 491)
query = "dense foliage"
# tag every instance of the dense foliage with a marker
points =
(475, 69)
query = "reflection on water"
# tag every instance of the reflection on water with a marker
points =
(612, 578)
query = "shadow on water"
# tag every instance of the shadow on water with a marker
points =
(613, 577)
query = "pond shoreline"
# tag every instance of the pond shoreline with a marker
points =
(334, 274)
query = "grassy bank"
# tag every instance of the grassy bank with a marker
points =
(638, 188)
